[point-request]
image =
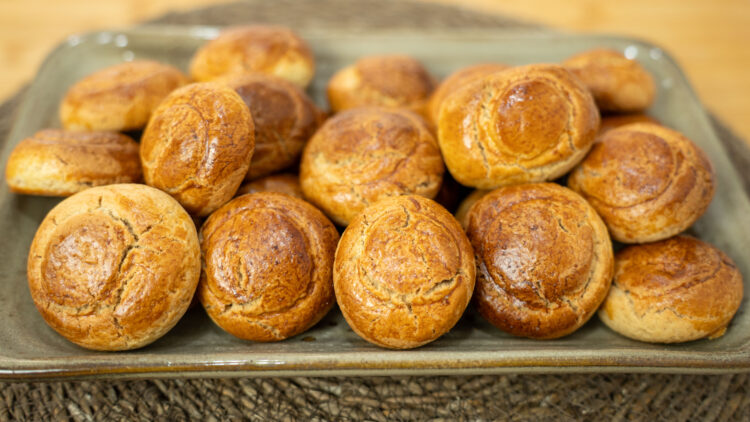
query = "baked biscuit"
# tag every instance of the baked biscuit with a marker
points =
(544, 259)
(616, 82)
(675, 290)
(524, 124)
(198, 146)
(56, 162)
(456, 80)
(273, 50)
(404, 272)
(114, 267)
(268, 266)
(393, 81)
(647, 182)
(362, 155)
(120, 97)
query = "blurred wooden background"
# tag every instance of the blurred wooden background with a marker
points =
(709, 38)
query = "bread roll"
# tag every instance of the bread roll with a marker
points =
(616, 120)
(525, 124)
(273, 50)
(268, 266)
(198, 146)
(284, 119)
(55, 162)
(393, 81)
(455, 81)
(616, 82)
(647, 182)
(675, 290)
(366, 154)
(114, 267)
(287, 183)
(404, 272)
(544, 259)
(120, 97)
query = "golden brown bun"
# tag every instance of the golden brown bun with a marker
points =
(675, 290)
(363, 155)
(55, 162)
(544, 259)
(282, 183)
(114, 267)
(647, 182)
(617, 83)
(284, 118)
(462, 212)
(617, 120)
(525, 124)
(404, 272)
(455, 81)
(119, 97)
(393, 81)
(268, 266)
(274, 50)
(198, 146)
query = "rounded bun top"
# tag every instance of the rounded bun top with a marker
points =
(198, 146)
(456, 80)
(274, 50)
(525, 124)
(114, 267)
(394, 81)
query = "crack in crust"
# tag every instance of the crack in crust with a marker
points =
(404, 272)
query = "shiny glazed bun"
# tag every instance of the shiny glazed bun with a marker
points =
(114, 267)
(525, 124)
(119, 97)
(456, 80)
(198, 146)
(56, 162)
(675, 290)
(287, 183)
(544, 259)
(393, 81)
(363, 155)
(404, 272)
(268, 266)
(284, 118)
(274, 50)
(616, 82)
(647, 182)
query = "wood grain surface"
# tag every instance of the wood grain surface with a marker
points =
(709, 39)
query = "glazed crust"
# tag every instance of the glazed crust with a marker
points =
(675, 290)
(198, 146)
(404, 272)
(56, 162)
(618, 120)
(120, 97)
(114, 267)
(363, 155)
(647, 182)
(544, 259)
(284, 118)
(273, 50)
(525, 124)
(455, 81)
(282, 183)
(268, 261)
(617, 83)
(393, 81)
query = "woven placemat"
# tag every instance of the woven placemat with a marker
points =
(503, 397)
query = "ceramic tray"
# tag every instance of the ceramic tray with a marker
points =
(196, 348)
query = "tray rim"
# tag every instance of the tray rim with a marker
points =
(347, 363)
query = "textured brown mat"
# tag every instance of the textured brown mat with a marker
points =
(506, 397)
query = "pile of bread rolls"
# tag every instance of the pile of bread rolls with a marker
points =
(240, 144)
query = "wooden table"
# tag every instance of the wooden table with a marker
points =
(708, 38)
